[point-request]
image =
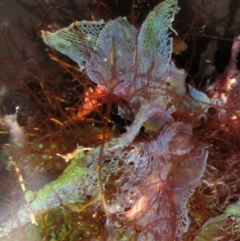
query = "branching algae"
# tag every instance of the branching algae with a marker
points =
(142, 187)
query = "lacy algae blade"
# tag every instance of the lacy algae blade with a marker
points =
(127, 63)
(118, 57)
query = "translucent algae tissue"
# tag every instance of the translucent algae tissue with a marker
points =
(141, 186)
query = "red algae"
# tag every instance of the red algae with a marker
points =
(149, 152)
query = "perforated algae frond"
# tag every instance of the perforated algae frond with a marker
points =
(121, 60)
(142, 187)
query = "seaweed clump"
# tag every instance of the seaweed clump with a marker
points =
(161, 178)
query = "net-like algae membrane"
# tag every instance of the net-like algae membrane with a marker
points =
(139, 154)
